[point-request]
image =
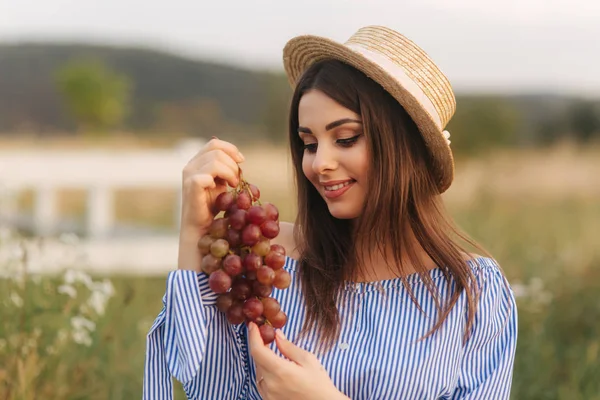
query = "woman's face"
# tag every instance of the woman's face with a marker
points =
(335, 156)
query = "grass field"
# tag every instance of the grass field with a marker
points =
(545, 234)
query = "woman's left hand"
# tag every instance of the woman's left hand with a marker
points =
(300, 377)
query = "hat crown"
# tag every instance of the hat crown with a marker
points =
(415, 63)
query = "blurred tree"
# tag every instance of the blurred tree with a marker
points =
(97, 97)
(584, 120)
(276, 107)
(482, 122)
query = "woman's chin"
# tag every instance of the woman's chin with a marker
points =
(340, 212)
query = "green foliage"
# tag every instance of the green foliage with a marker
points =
(97, 97)
(483, 123)
(584, 120)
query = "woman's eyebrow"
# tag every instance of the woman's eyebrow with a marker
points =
(331, 125)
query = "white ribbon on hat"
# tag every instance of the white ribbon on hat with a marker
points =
(446, 136)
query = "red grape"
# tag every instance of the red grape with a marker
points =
(251, 276)
(277, 248)
(218, 228)
(234, 238)
(244, 201)
(255, 192)
(260, 320)
(241, 289)
(282, 280)
(237, 220)
(253, 308)
(210, 264)
(251, 235)
(261, 290)
(224, 301)
(272, 211)
(265, 275)
(224, 201)
(235, 314)
(232, 265)
(231, 210)
(267, 333)
(256, 215)
(252, 262)
(269, 229)
(271, 307)
(274, 260)
(279, 320)
(219, 281)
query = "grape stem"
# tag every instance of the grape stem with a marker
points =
(243, 185)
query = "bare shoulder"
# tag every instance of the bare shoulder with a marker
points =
(286, 239)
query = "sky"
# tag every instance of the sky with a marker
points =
(512, 46)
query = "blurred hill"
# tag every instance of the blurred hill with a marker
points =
(183, 96)
(167, 89)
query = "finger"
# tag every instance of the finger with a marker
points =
(293, 352)
(260, 385)
(229, 148)
(221, 170)
(263, 356)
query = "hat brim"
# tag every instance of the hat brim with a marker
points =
(303, 51)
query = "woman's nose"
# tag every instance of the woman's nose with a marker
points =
(325, 160)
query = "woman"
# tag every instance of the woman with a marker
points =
(384, 302)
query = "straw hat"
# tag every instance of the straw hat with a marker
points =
(401, 68)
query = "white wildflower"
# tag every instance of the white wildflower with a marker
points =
(97, 302)
(68, 290)
(16, 299)
(519, 290)
(105, 287)
(51, 350)
(82, 323)
(82, 337)
(73, 276)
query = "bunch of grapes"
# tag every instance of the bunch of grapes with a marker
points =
(243, 266)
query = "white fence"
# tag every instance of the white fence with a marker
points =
(100, 173)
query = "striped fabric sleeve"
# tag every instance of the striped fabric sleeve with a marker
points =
(176, 342)
(487, 365)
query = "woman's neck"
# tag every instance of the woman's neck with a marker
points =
(380, 264)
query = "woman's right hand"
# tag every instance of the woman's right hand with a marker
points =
(205, 176)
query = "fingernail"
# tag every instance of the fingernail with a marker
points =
(280, 334)
(241, 156)
(214, 137)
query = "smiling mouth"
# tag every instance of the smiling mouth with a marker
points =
(338, 186)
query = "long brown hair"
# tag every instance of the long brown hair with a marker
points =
(403, 202)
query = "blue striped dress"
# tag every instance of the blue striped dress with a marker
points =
(378, 355)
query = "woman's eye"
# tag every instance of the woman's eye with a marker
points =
(310, 147)
(348, 142)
